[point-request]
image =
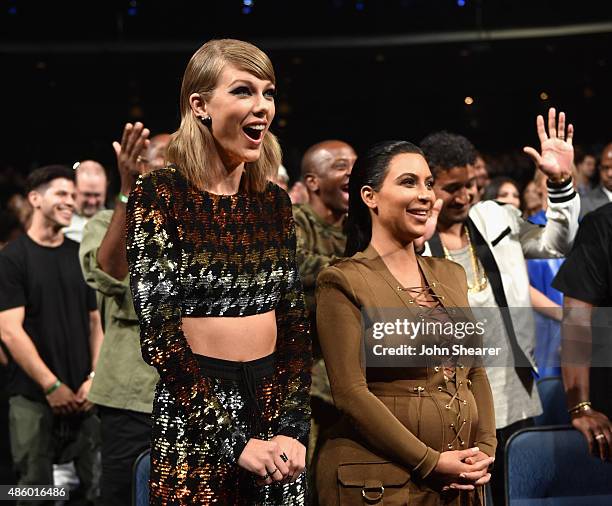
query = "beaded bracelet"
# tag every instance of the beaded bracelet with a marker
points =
(53, 387)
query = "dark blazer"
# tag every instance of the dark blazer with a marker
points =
(593, 200)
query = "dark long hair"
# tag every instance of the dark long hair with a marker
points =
(491, 192)
(370, 170)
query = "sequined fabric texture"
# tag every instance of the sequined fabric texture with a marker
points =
(193, 253)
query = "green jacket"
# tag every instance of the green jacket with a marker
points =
(123, 380)
(318, 244)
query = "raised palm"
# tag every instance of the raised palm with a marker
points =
(557, 152)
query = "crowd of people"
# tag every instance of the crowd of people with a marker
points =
(217, 314)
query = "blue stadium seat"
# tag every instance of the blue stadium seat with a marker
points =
(552, 395)
(551, 466)
(140, 481)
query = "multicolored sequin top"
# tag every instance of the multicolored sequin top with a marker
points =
(193, 253)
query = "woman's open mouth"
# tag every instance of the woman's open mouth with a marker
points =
(254, 132)
(420, 214)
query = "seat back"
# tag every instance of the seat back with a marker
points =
(552, 396)
(140, 479)
(552, 466)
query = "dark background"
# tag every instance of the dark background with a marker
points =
(361, 70)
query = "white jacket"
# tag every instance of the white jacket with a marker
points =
(503, 240)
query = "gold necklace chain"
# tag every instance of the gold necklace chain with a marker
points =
(480, 280)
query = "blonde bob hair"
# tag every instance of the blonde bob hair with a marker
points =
(191, 145)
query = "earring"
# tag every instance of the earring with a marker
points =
(206, 121)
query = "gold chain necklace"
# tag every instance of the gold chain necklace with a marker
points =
(480, 281)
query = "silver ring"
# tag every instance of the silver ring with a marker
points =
(600, 436)
(284, 457)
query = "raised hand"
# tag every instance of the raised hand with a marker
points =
(130, 161)
(557, 151)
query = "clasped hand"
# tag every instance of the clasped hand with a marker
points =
(280, 459)
(63, 401)
(463, 469)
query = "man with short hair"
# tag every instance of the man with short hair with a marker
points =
(586, 165)
(491, 241)
(124, 385)
(50, 325)
(91, 184)
(602, 194)
(326, 168)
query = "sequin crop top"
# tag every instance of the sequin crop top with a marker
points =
(194, 253)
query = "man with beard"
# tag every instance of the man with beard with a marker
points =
(326, 168)
(50, 325)
(491, 241)
(124, 385)
(91, 183)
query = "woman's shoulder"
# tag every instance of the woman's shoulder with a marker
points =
(163, 176)
(442, 266)
(272, 190)
(348, 271)
(165, 184)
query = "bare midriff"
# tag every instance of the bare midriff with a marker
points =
(239, 339)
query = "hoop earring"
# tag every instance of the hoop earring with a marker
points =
(206, 121)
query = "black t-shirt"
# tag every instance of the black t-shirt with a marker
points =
(586, 275)
(49, 284)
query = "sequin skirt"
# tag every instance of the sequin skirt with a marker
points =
(188, 470)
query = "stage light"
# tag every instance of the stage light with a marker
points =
(12, 11)
(247, 6)
(543, 96)
(468, 100)
(133, 8)
(461, 3)
(360, 5)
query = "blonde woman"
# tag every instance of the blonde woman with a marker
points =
(211, 249)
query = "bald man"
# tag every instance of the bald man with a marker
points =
(326, 168)
(91, 183)
(602, 194)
